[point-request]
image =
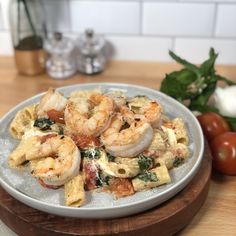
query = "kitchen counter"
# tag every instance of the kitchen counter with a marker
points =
(218, 214)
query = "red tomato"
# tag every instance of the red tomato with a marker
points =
(223, 148)
(56, 116)
(212, 125)
(84, 141)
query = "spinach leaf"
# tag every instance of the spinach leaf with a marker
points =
(61, 131)
(92, 153)
(43, 124)
(107, 179)
(110, 157)
(144, 162)
(99, 181)
(148, 176)
(178, 161)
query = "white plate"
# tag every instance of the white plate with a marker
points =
(22, 186)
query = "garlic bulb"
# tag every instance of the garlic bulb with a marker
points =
(225, 100)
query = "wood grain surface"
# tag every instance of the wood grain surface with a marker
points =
(218, 214)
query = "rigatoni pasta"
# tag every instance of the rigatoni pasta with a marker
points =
(151, 179)
(97, 141)
(74, 191)
(22, 121)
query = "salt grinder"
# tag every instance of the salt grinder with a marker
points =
(61, 63)
(91, 57)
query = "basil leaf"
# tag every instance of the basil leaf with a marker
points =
(173, 88)
(231, 121)
(204, 108)
(227, 81)
(203, 98)
(184, 76)
(207, 67)
(185, 63)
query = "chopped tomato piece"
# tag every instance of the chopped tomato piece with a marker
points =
(90, 174)
(84, 141)
(121, 187)
(56, 116)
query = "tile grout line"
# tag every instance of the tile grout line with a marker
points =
(69, 11)
(161, 36)
(215, 18)
(106, 0)
(207, 2)
(141, 19)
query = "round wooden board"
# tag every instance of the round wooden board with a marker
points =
(166, 219)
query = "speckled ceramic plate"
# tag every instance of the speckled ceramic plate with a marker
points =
(22, 186)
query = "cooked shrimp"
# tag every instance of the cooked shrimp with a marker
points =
(52, 100)
(55, 159)
(153, 112)
(146, 109)
(128, 142)
(127, 114)
(118, 97)
(92, 119)
(84, 94)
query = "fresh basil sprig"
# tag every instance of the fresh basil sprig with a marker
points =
(194, 85)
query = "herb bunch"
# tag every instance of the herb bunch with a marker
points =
(193, 85)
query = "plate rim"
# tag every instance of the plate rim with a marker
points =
(181, 182)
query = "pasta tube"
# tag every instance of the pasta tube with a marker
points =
(74, 191)
(150, 179)
(22, 121)
(180, 131)
(174, 157)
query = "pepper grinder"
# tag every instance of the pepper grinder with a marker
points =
(61, 63)
(91, 58)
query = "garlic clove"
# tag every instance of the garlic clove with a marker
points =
(225, 100)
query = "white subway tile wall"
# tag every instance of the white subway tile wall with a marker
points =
(112, 17)
(141, 48)
(178, 19)
(197, 49)
(144, 29)
(226, 21)
(1, 18)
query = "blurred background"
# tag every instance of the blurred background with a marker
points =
(144, 30)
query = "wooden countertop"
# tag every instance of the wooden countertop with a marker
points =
(218, 215)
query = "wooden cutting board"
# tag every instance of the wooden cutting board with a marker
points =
(166, 219)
